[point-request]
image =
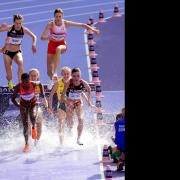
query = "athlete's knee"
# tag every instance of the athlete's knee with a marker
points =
(58, 50)
(20, 63)
(33, 116)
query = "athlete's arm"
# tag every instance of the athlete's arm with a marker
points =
(63, 96)
(46, 30)
(85, 26)
(86, 98)
(88, 88)
(5, 28)
(34, 38)
(42, 95)
(54, 89)
(14, 95)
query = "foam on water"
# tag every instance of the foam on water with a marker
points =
(13, 140)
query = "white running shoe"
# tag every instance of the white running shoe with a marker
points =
(50, 85)
(79, 142)
(55, 78)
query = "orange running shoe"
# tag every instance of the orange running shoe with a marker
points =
(26, 148)
(34, 133)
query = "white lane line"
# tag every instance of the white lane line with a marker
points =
(74, 15)
(15, 2)
(88, 58)
(40, 5)
(100, 155)
(115, 91)
(71, 8)
(99, 150)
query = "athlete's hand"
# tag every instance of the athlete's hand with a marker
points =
(48, 38)
(34, 49)
(45, 103)
(97, 31)
(2, 50)
(90, 104)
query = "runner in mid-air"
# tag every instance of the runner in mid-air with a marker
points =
(57, 42)
(12, 48)
(28, 105)
(72, 97)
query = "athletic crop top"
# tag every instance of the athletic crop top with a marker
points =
(58, 33)
(74, 92)
(60, 88)
(28, 94)
(15, 37)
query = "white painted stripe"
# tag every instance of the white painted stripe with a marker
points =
(99, 152)
(40, 5)
(115, 91)
(87, 57)
(15, 2)
(74, 15)
(71, 8)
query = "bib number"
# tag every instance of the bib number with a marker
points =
(74, 96)
(15, 40)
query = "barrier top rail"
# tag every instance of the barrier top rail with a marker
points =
(6, 90)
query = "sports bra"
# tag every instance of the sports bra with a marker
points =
(15, 37)
(74, 92)
(27, 94)
(58, 33)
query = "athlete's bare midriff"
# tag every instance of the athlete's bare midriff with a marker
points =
(13, 48)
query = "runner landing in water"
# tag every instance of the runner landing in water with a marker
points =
(57, 28)
(72, 97)
(28, 105)
(61, 109)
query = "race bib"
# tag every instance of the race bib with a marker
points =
(15, 40)
(75, 96)
(58, 37)
(27, 97)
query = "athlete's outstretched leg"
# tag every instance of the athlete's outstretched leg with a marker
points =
(19, 61)
(57, 58)
(50, 60)
(8, 66)
(79, 113)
